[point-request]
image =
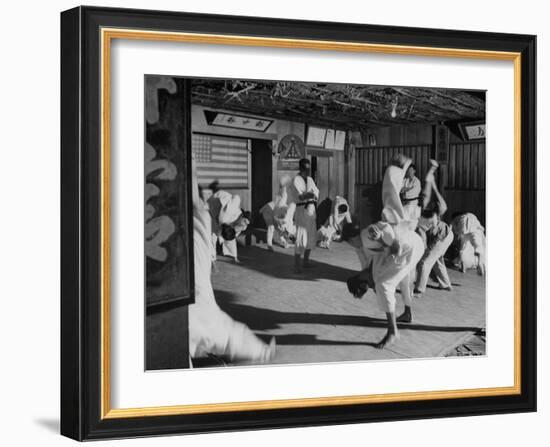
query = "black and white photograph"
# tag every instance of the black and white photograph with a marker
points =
(327, 222)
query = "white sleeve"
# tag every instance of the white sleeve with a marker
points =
(299, 185)
(295, 189)
(313, 187)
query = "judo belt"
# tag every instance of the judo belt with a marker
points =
(309, 202)
(409, 200)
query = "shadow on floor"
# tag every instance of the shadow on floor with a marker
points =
(311, 339)
(436, 287)
(281, 265)
(259, 319)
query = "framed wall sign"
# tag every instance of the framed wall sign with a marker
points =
(473, 130)
(214, 278)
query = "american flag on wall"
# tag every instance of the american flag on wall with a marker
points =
(224, 159)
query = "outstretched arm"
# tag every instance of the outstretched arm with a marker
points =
(441, 204)
(426, 193)
(429, 182)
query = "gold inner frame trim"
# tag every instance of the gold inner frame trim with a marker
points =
(107, 35)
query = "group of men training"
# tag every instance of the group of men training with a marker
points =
(290, 218)
(407, 245)
(400, 251)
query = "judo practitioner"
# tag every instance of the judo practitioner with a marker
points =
(470, 237)
(437, 237)
(331, 230)
(278, 216)
(211, 330)
(391, 249)
(410, 192)
(304, 194)
(228, 222)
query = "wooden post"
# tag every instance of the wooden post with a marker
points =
(441, 154)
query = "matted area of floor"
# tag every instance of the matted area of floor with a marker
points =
(315, 319)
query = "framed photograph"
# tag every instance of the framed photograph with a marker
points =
(275, 223)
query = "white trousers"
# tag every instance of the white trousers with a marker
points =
(433, 261)
(471, 244)
(306, 228)
(390, 272)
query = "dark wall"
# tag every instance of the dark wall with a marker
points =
(459, 200)
(461, 176)
(400, 135)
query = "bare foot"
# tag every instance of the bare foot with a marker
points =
(270, 248)
(236, 261)
(405, 317)
(388, 340)
(268, 351)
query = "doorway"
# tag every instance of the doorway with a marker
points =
(261, 179)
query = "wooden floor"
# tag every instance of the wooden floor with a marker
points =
(315, 319)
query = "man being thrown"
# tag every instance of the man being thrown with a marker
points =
(436, 235)
(228, 221)
(278, 216)
(331, 230)
(211, 330)
(390, 249)
(304, 194)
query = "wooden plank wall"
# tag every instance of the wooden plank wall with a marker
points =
(466, 166)
(464, 188)
(371, 162)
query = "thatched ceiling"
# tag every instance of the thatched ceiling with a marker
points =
(342, 106)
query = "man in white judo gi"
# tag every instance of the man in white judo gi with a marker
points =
(410, 192)
(332, 228)
(437, 237)
(390, 249)
(304, 194)
(278, 216)
(228, 221)
(470, 237)
(211, 330)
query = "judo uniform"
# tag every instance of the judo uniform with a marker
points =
(225, 208)
(395, 253)
(437, 241)
(305, 215)
(328, 232)
(278, 216)
(410, 193)
(211, 330)
(470, 235)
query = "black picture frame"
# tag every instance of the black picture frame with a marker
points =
(81, 225)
